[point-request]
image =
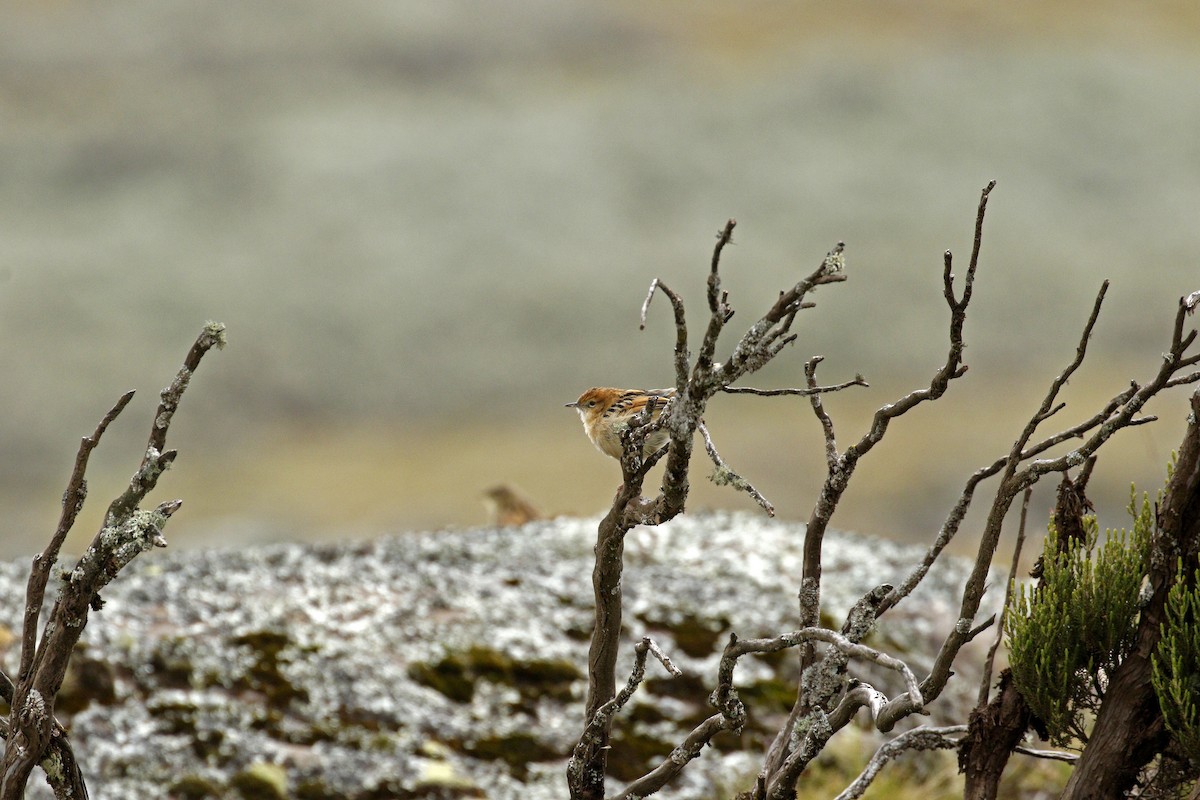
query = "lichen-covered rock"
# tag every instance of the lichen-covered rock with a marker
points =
(451, 663)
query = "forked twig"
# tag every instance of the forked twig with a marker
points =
(725, 476)
(33, 734)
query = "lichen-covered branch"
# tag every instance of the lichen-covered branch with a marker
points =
(695, 384)
(33, 733)
(1015, 478)
(785, 761)
(923, 738)
(723, 475)
(731, 713)
(593, 734)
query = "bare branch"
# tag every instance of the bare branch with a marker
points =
(718, 304)
(1121, 413)
(983, 199)
(986, 682)
(662, 657)
(681, 336)
(646, 303)
(859, 380)
(784, 764)
(1044, 411)
(1050, 755)
(72, 504)
(810, 376)
(1183, 379)
(679, 758)
(980, 628)
(724, 237)
(725, 476)
(594, 735)
(126, 532)
(923, 738)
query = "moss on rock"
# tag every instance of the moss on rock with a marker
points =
(517, 749)
(193, 787)
(261, 781)
(265, 674)
(88, 680)
(457, 673)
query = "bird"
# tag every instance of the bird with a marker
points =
(606, 412)
(509, 506)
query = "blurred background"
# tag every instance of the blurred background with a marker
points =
(428, 225)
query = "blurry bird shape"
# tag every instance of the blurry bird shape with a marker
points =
(509, 507)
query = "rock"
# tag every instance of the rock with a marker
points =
(453, 663)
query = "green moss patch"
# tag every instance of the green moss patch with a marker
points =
(457, 674)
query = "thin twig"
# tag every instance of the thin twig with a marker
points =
(646, 303)
(719, 310)
(923, 738)
(1049, 755)
(785, 761)
(1015, 479)
(725, 476)
(985, 683)
(72, 504)
(681, 334)
(858, 380)
(594, 734)
(810, 376)
(126, 532)
(662, 657)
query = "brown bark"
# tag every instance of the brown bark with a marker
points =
(993, 733)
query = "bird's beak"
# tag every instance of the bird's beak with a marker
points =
(571, 405)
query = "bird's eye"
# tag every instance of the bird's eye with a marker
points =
(591, 403)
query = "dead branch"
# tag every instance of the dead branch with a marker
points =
(1014, 479)
(1049, 755)
(780, 780)
(725, 476)
(695, 384)
(33, 733)
(601, 719)
(985, 684)
(732, 713)
(828, 698)
(923, 738)
(859, 380)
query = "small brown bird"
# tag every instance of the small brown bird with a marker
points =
(606, 413)
(509, 506)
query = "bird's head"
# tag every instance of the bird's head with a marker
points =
(594, 402)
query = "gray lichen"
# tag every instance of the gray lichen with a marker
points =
(305, 655)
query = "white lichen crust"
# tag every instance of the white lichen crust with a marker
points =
(312, 657)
